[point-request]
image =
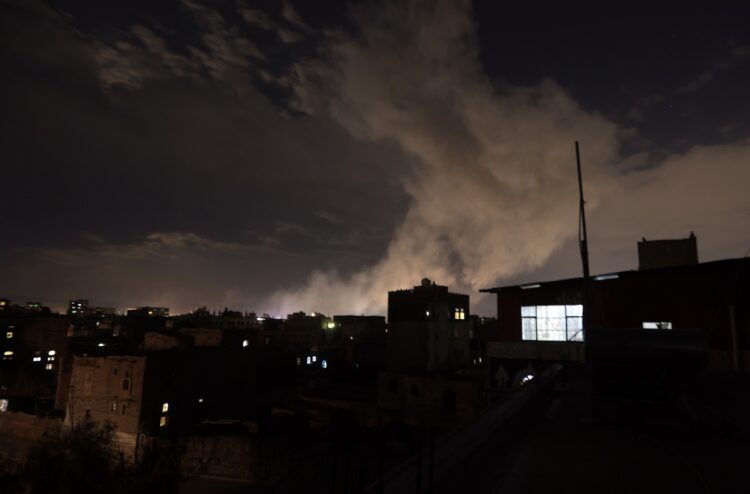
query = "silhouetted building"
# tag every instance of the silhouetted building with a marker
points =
(710, 297)
(654, 254)
(428, 329)
(77, 307)
(32, 348)
(149, 312)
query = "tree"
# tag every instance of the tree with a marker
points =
(81, 459)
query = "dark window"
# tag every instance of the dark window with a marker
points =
(449, 401)
(123, 409)
(125, 384)
(114, 372)
(393, 386)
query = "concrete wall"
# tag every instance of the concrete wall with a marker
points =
(108, 389)
(234, 457)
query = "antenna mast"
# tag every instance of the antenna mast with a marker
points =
(584, 247)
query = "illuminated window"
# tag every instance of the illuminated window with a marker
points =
(163, 421)
(427, 313)
(37, 359)
(245, 343)
(8, 355)
(459, 314)
(324, 364)
(309, 360)
(314, 358)
(299, 360)
(3, 405)
(527, 378)
(49, 367)
(9, 334)
(51, 353)
(331, 325)
(113, 408)
(552, 322)
(164, 407)
(657, 325)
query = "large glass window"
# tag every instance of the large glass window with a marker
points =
(552, 322)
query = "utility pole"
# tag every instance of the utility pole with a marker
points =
(584, 247)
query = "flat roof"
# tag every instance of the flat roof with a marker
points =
(618, 274)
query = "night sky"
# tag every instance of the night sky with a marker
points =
(311, 156)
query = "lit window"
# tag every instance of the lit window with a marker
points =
(51, 353)
(164, 407)
(8, 355)
(299, 360)
(309, 360)
(102, 344)
(527, 378)
(552, 322)
(324, 364)
(245, 343)
(9, 334)
(163, 421)
(351, 338)
(37, 359)
(200, 400)
(113, 408)
(427, 313)
(657, 325)
(3, 405)
(459, 314)
(314, 358)
(49, 366)
(331, 325)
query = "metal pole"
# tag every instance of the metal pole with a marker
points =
(584, 246)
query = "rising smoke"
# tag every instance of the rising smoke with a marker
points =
(493, 191)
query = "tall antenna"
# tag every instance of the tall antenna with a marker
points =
(582, 236)
(584, 246)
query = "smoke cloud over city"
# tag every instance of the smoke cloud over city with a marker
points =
(255, 160)
(492, 180)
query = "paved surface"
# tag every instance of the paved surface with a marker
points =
(579, 444)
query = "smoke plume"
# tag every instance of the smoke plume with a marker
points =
(493, 187)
